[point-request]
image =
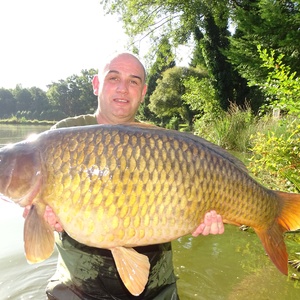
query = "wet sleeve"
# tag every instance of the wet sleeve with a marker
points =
(82, 120)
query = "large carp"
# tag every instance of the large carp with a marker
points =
(118, 187)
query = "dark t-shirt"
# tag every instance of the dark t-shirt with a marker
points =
(85, 272)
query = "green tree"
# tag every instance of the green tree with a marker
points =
(74, 95)
(200, 96)
(24, 100)
(40, 102)
(215, 40)
(164, 60)
(166, 101)
(7, 103)
(181, 21)
(270, 23)
(281, 87)
(87, 99)
(58, 95)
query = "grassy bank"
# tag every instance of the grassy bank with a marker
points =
(234, 130)
(24, 121)
(272, 144)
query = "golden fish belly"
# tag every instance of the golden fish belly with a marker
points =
(125, 186)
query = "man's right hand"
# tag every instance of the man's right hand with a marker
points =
(49, 216)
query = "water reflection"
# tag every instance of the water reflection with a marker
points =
(14, 133)
(18, 279)
(231, 266)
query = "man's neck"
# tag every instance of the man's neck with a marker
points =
(102, 119)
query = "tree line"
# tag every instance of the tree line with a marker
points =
(243, 52)
(67, 97)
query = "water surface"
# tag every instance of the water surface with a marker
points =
(15, 133)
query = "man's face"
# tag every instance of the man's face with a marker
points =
(121, 89)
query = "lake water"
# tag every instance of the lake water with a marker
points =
(231, 266)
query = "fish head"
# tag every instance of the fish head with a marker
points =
(20, 173)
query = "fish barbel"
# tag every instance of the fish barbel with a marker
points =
(121, 186)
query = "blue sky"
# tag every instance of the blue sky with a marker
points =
(43, 41)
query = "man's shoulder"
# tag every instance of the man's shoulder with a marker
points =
(81, 120)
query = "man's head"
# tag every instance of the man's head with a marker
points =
(121, 88)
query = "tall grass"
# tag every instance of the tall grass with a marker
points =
(272, 144)
(231, 129)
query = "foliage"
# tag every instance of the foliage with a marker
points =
(200, 23)
(69, 97)
(7, 103)
(231, 129)
(278, 155)
(220, 71)
(74, 95)
(200, 96)
(40, 101)
(271, 24)
(24, 100)
(164, 60)
(166, 101)
(229, 57)
(281, 87)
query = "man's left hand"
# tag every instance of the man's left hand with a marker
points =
(212, 224)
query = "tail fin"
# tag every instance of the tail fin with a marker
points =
(274, 245)
(272, 239)
(290, 213)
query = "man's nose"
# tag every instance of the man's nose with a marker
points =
(122, 87)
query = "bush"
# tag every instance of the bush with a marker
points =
(278, 155)
(53, 115)
(281, 87)
(230, 130)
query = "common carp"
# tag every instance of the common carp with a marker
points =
(122, 186)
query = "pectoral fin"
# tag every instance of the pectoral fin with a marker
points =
(133, 268)
(38, 237)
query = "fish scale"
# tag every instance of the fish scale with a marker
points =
(117, 186)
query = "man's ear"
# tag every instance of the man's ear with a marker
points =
(95, 83)
(144, 92)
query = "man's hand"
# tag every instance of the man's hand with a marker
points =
(213, 224)
(49, 216)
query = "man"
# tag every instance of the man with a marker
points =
(89, 273)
